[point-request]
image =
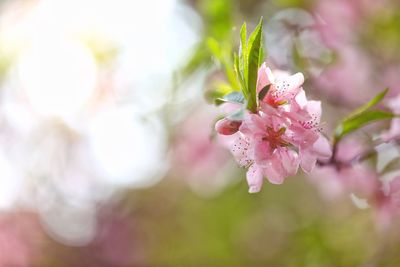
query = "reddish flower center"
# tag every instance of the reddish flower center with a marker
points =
(274, 138)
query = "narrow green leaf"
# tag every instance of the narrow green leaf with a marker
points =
(243, 39)
(233, 97)
(239, 75)
(243, 51)
(253, 49)
(243, 34)
(357, 121)
(262, 53)
(373, 102)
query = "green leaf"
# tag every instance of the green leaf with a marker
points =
(362, 116)
(254, 47)
(243, 38)
(239, 75)
(262, 54)
(222, 51)
(234, 97)
(214, 47)
(359, 120)
(243, 50)
(373, 102)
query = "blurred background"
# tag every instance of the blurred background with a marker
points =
(108, 155)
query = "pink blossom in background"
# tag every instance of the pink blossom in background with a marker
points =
(394, 193)
(387, 203)
(339, 20)
(359, 181)
(391, 79)
(115, 243)
(21, 240)
(333, 183)
(356, 73)
(197, 157)
(394, 131)
(348, 79)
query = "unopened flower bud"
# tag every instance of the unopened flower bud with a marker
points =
(227, 127)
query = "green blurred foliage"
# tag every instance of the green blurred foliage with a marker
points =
(218, 23)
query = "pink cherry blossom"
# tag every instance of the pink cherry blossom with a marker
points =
(283, 88)
(305, 118)
(283, 134)
(262, 145)
(394, 131)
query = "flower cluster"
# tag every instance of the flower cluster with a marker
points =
(283, 134)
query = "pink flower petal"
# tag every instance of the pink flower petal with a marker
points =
(301, 98)
(314, 109)
(254, 178)
(322, 148)
(262, 153)
(265, 77)
(274, 171)
(308, 160)
(240, 150)
(284, 90)
(252, 125)
(273, 176)
(290, 161)
(294, 82)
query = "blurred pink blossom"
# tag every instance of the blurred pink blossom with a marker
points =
(387, 203)
(339, 18)
(333, 182)
(394, 131)
(115, 243)
(352, 77)
(196, 156)
(21, 239)
(391, 79)
(348, 79)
